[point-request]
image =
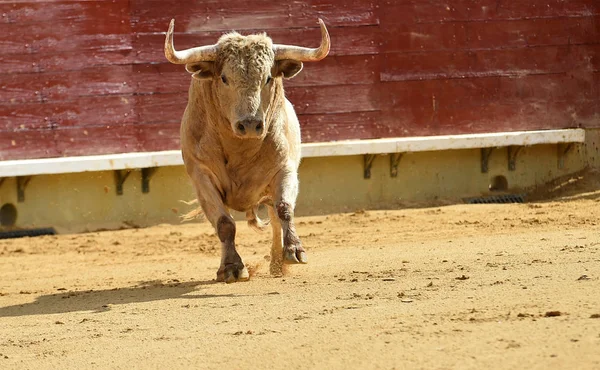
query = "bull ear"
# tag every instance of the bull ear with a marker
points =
(287, 68)
(201, 70)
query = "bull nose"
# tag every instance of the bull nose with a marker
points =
(250, 127)
(241, 128)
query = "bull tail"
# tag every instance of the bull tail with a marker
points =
(253, 220)
(194, 213)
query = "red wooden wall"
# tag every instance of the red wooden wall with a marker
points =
(89, 77)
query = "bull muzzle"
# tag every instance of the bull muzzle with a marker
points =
(249, 128)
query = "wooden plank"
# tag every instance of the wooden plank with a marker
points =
(28, 12)
(139, 137)
(479, 91)
(97, 140)
(434, 107)
(41, 87)
(476, 101)
(345, 70)
(476, 95)
(63, 61)
(534, 32)
(342, 126)
(27, 144)
(493, 117)
(161, 78)
(69, 53)
(515, 9)
(48, 37)
(224, 15)
(84, 111)
(160, 107)
(164, 135)
(78, 141)
(460, 105)
(402, 37)
(161, 135)
(34, 27)
(436, 11)
(445, 142)
(475, 92)
(367, 125)
(148, 78)
(344, 41)
(334, 99)
(52, 1)
(568, 87)
(595, 83)
(90, 163)
(485, 63)
(341, 148)
(307, 100)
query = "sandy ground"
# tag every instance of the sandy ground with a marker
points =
(454, 287)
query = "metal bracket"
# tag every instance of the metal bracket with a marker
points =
(146, 175)
(485, 158)
(394, 160)
(562, 150)
(120, 177)
(513, 151)
(22, 182)
(368, 162)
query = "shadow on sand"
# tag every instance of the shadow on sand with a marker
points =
(103, 300)
(581, 185)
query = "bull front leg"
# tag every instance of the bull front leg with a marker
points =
(232, 268)
(284, 202)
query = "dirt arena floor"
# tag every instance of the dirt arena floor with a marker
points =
(452, 287)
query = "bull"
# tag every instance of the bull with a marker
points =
(240, 139)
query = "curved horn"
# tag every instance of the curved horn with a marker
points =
(303, 54)
(206, 53)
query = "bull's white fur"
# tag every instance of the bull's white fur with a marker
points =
(233, 171)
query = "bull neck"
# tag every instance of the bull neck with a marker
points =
(233, 144)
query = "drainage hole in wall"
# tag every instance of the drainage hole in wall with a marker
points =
(499, 183)
(8, 215)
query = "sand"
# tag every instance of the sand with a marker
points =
(452, 287)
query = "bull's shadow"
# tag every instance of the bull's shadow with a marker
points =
(102, 300)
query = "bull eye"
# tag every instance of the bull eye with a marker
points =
(224, 79)
(269, 80)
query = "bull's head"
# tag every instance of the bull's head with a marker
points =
(245, 74)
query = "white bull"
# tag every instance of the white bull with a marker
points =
(240, 138)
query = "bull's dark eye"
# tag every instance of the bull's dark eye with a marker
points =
(269, 80)
(224, 79)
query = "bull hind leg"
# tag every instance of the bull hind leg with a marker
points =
(232, 268)
(285, 201)
(276, 266)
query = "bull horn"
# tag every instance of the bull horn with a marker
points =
(303, 54)
(206, 53)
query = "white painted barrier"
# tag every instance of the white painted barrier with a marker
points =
(28, 167)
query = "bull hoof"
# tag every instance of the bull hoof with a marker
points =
(294, 254)
(232, 273)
